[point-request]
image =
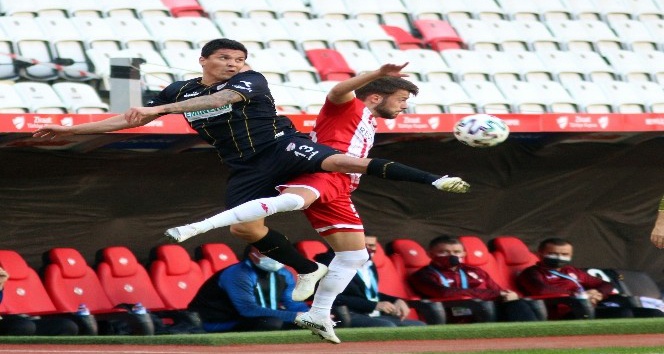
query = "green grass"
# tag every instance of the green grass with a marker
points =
(466, 331)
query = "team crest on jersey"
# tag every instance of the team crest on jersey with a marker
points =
(290, 147)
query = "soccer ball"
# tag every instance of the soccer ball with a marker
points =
(481, 130)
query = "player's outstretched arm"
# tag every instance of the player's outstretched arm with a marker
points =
(343, 91)
(107, 125)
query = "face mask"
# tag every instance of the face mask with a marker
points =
(268, 264)
(447, 261)
(552, 261)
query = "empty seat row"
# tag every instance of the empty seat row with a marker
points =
(61, 97)
(83, 8)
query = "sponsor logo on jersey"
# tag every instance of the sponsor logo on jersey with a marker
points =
(191, 94)
(246, 87)
(207, 113)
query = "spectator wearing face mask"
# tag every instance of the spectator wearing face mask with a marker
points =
(553, 275)
(448, 276)
(367, 306)
(251, 295)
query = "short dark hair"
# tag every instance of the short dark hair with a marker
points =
(386, 86)
(556, 241)
(444, 239)
(222, 43)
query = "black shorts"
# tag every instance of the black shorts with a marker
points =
(257, 176)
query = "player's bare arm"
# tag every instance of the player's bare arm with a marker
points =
(107, 125)
(343, 91)
(144, 115)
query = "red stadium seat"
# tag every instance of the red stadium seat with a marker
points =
(175, 276)
(330, 64)
(404, 39)
(71, 282)
(181, 8)
(512, 256)
(310, 248)
(438, 34)
(213, 257)
(25, 292)
(125, 280)
(478, 255)
(409, 253)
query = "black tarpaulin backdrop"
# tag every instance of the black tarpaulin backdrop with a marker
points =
(603, 197)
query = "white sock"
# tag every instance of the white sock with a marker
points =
(341, 271)
(251, 210)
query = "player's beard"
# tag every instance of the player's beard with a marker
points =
(383, 112)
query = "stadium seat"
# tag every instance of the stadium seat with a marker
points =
(40, 97)
(184, 62)
(563, 64)
(290, 9)
(7, 69)
(97, 33)
(169, 33)
(468, 64)
(184, 8)
(306, 34)
(557, 97)
(66, 43)
(652, 94)
(531, 66)
(359, 60)
(222, 10)
(339, 35)
(410, 253)
(453, 10)
(155, 73)
(284, 100)
(512, 256)
(258, 9)
(613, 10)
(25, 293)
(487, 96)
(125, 280)
(398, 56)
(589, 96)
(80, 98)
(553, 10)
(442, 97)
(523, 96)
(476, 34)
(628, 65)
(329, 9)
(623, 97)
(133, 33)
(200, 30)
(520, 10)
(537, 35)
(645, 10)
(390, 12)
(310, 248)
(429, 64)
(30, 42)
(654, 61)
(84, 8)
(263, 62)
(502, 67)
(478, 255)
(634, 35)
(10, 101)
(330, 64)
(584, 10)
(404, 39)
(242, 30)
(369, 10)
(423, 9)
(509, 37)
(138, 9)
(588, 35)
(275, 35)
(175, 276)
(595, 67)
(213, 257)
(310, 96)
(373, 36)
(438, 34)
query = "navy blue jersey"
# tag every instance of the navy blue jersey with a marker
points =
(236, 130)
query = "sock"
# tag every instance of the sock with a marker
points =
(251, 210)
(277, 246)
(399, 172)
(341, 271)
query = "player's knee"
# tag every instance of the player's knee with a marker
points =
(246, 232)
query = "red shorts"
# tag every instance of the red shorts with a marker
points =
(333, 211)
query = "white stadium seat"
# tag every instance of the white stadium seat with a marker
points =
(309, 95)
(329, 9)
(221, 10)
(284, 100)
(552, 10)
(169, 32)
(654, 61)
(373, 36)
(133, 33)
(585, 35)
(339, 35)
(430, 64)
(290, 9)
(590, 97)
(613, 10)
(652, 94)
(557, 97)
(97, 33)
(628, 65)
(487, 10)
(80, 98)
(477, 34)
(423, 9)
(524, 97)
(442, 97)
(487, 96)
(258, 9)
(10, 101)
(594, 66)
(84, 8)
(563, 65)
(242, 30)
(584, 10)
(467, 64)
(635, 35)
(646, 10)
(306, 33)
(360, 60)
(623, 97)
(531, 67)
(397, 56)
(294, 66)
(274, 34)
(40, 97)
(66, 42)
(199, 30)
(520, 10)
(31, 42)
(183, 62)
(537, 35)
(502, 67)
(509, 37)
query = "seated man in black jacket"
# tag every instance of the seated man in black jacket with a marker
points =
(369, 307)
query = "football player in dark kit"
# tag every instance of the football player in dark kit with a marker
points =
(232, 109)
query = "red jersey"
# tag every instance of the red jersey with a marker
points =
(348, 127)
